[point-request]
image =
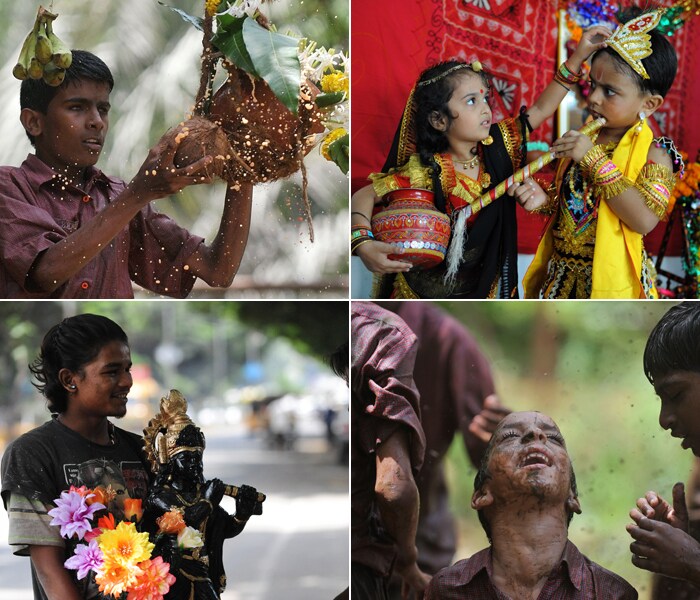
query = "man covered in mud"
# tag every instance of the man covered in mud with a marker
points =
(525, 495)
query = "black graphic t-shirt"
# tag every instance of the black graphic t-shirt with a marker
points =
(49, 459)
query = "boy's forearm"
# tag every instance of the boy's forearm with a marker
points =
(54, 578)
(396, 495)
(58, 263)
(218, 263)
(630, 207)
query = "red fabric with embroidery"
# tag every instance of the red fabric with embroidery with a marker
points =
(516, 41)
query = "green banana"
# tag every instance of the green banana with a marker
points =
(35, 69)
(53, 75)
(62, 56)
(20, 70)
(43, 54)
(43, 49)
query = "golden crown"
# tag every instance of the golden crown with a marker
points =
(171, 431)
(632, 42)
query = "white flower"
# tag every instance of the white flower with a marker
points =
(316, 61)
(190, 537)
(241, 8)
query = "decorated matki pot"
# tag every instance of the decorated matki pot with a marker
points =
(409, 219)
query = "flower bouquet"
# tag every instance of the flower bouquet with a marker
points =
(117, 554)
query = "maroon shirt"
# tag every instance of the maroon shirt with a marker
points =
(384, 399)
(453, 378)
(576, 578)
(37, 210)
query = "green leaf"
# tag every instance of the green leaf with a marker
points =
(323, 100)
(191, 19)
(339, 151)
(276, 60)
(229, 40)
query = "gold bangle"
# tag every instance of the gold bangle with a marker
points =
(356, 246)
(589, 159)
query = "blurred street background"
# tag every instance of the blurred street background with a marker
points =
(274, 414)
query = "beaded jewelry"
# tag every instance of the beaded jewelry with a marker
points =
(565, 77)
(358, 236)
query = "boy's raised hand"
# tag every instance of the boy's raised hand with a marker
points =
(652, 506)
(661, 542)
(159, 177)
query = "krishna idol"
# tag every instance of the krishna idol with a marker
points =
(182, 511)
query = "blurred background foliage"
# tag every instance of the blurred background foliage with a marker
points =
(154, 56)
(211, 351)
(580, 363)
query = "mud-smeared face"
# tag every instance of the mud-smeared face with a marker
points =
(528, 456)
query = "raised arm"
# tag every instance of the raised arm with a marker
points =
(548, 101)
(397, 498)
(218, 263)
(157, 177)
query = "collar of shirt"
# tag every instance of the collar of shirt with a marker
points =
(39, 174)
(571, 559)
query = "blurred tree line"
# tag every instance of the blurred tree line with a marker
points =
(202, 348)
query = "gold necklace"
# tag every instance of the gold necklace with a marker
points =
(468, 164)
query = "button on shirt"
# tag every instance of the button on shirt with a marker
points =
(38, 210)
(575, 578)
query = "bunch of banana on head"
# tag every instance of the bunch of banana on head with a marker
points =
(43, 55)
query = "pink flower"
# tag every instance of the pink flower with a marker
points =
(85, 559)
(73, 514)
(154, 581)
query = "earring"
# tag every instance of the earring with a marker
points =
(487, 141)
(73, 387)
(640, 125)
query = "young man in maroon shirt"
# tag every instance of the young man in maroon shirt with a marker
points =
(70, 231)
(525, 493)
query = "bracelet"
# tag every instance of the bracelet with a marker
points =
(609, 181)
(654, 184)
(354, 212)
(355, 245)
(239, 521)
(569, 75)
(361, 232)
(589, 163)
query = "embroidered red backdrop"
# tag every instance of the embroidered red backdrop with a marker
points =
(516, 40)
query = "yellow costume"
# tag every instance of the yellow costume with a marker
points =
(597, 255)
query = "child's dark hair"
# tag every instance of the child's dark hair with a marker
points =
(433, 91)
(661, 65)
(674, 343)
(37, 94)
(71, 344)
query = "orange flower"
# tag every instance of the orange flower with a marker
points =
(171, 522)
(155, 580)
(106, 522)
(115, 577)
(101, 495)
(132, 509)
